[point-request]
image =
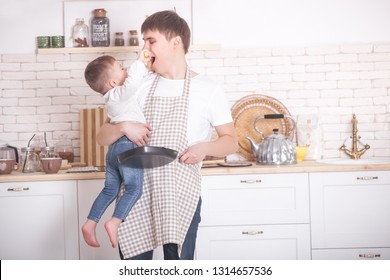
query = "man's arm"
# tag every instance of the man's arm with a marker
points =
(138, 133)
(227, 143)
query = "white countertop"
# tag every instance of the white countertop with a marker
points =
(303, 167)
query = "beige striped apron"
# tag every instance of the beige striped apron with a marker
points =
(171, 192)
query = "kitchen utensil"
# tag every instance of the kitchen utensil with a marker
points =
(247, 109)
(235, 164)
(91, 153)
(276, 148)
(8, 158)
(51, 165)
(147, 157)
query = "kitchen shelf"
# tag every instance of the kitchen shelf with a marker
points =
(209, 47)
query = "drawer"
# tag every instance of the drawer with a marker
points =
(262, 242)
(255, 199)
(352, 254)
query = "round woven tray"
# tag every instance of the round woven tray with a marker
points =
(247, 109)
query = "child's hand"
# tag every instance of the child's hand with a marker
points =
(146, 58)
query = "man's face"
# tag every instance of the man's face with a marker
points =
(160, 48)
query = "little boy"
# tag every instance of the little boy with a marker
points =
(118, 86)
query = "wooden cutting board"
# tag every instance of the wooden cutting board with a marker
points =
(90, 122)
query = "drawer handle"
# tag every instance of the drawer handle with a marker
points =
(369, 256)
(250, 181)
(18, 189)
(367, 178)
(254, 232)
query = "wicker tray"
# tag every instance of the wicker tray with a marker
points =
(247, 109)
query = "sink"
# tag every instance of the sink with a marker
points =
(364, 161)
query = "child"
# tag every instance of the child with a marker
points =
(118, 86)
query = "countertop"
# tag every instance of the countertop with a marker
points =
(303, 167)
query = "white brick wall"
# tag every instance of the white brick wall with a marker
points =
(44, 93)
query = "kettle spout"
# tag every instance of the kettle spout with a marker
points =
(254, 146)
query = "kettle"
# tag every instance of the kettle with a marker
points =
(8, 158)
(275, 149)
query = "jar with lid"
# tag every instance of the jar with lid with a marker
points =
(134, 38)
(64, 148)
(100, 29)
(80, 34)
(48, 152)
(29, 160)
(119, 41)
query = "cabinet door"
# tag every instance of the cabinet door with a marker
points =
(350, 209)
(255, 199)
(39, 220)
(265, 242)
(88, 190)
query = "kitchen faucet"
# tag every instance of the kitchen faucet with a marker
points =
(355, 153)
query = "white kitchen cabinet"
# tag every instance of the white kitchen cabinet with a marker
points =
(88, 190)
(38, 220)
(254, 216)
(350, 215)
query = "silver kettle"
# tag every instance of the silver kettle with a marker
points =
(276, 149)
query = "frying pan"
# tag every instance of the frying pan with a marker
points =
(147, 157)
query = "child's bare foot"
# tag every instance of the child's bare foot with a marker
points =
(89, 233)
(112, 226)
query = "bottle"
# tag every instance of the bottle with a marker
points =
(100, 29)
(80, 34)
(119, 41)
(134, 38)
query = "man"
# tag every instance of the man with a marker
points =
(181, 108)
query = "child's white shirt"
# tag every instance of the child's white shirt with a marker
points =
(121, 102)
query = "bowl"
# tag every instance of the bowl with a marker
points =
(301, 152)
(51, 165)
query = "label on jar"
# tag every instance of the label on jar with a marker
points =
(100, 34)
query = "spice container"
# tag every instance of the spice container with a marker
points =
(57, 41)
(43, 42)
(100, 29)
(134, 38)
(80, 34)
(119, 41)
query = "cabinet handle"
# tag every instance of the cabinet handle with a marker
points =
(255, 232)
(367, 178)
(250, 181)
(369, 256)
(18, 189)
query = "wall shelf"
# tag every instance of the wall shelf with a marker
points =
(208, 47)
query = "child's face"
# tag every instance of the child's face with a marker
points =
(119, 74)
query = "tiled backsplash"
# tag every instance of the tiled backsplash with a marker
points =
(44, 93)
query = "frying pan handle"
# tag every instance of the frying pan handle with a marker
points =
(273, 116)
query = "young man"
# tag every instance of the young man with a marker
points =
(181, 107)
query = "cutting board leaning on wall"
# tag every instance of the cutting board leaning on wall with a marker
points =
(90, 122)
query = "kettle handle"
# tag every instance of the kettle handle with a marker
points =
(273, 116)
(16, 152)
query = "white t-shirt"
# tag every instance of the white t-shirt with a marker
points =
(208, 106)
(120, 101)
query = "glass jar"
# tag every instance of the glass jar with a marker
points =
(119, 41)
(29, 160)
(134, 38)
(64, 148)
(48, 152)
(80, 34)
(100, 29)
